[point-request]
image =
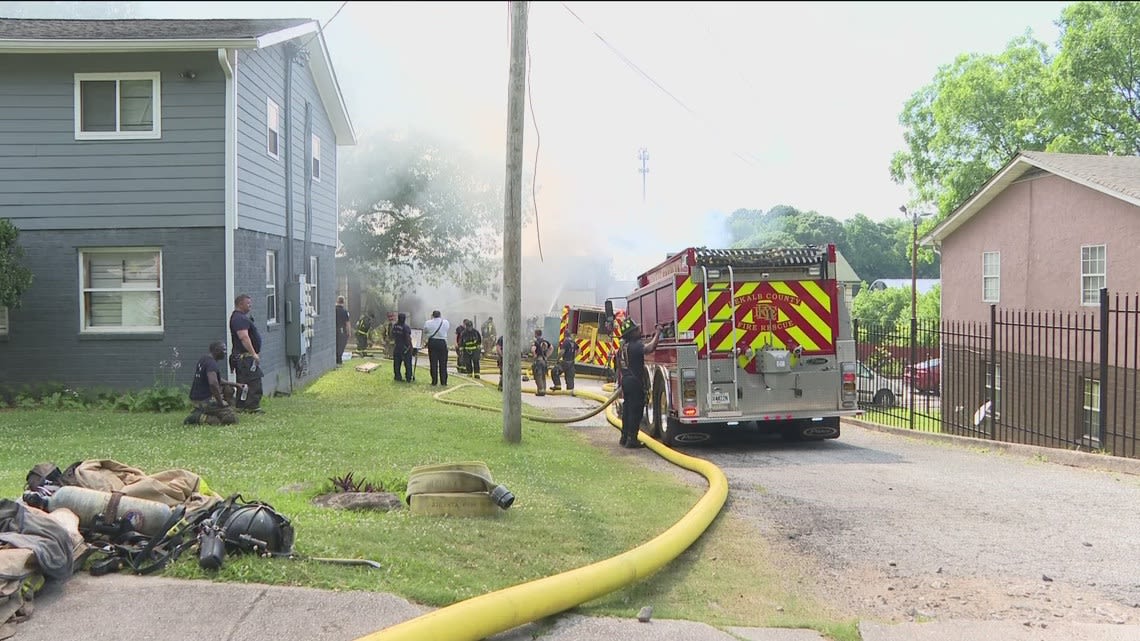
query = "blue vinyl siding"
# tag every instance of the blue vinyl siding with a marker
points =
(44, 342)
(49, 180)
(261, 178)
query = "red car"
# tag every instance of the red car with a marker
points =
(925, 376)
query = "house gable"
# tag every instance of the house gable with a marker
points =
(1034, 228)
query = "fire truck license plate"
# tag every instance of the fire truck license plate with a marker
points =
(719, 398)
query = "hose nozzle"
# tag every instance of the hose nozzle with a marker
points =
(502, 497)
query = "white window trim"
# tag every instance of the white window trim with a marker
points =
(1092, 432)
(144, 329)
(156, 96)
(1104, 275)
(996, 277)
(316, 159)
(314, 284)
(272, 107)
(271, 288)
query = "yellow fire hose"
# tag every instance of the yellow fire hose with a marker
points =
(483, 616)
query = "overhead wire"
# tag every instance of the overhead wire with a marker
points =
(632, 65)
(321, 28)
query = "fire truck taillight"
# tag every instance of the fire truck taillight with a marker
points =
(689, 392)
(848, 372)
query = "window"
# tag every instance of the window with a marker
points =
(991, 277)
(115, 106)
(314, 283)
(272, 128)
(3, 321)
(993, 391)
(1093, 268)
(316, 158)
(1090, 409)
(121, 289)
(270, 287)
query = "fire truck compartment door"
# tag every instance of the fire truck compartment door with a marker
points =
(721, 369)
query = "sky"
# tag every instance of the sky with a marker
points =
(738, 104)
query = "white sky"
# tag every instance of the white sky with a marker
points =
(791, 103)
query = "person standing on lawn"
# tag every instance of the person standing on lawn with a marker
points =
(343, 329)
(437, 329)
(402, 348)
(632, 354)
(246, 358)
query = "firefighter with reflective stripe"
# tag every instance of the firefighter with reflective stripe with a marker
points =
(567, 352)
(472, 344)
(633, 385)
(363, 329)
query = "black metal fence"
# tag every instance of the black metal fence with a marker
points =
(1056, 379)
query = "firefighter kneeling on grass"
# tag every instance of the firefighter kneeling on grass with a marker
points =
(212, 405)
(471, 342)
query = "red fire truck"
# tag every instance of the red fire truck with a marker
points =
(751, 339)
(597, 339)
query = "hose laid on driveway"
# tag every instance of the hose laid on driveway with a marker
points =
(489, 614)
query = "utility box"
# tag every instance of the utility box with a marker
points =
(298, 318)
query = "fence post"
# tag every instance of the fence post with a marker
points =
(992, 367)
(1102, 415)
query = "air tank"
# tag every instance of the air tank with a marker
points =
(146, 517)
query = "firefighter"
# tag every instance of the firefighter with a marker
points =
(539, 350)
(488, 331)
(567, 351)
(472, 343)
(363, 329)
(633, 385)
(460, 362)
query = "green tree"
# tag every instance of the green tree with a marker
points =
(872, 248)
(1098, 77)
(415, 210)
(15, 279)
(782, 226)
(978, 113)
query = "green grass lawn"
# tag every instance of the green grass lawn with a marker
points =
(576, 503)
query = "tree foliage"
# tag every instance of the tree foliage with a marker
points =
(15, 279)
(415, 210)
(874, 249)
(981, 110)
(891, 307)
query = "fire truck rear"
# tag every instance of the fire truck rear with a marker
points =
(750, 338)
(596, 334)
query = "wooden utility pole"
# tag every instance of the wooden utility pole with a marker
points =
(512, 231)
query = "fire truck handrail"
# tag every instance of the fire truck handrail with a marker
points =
(761, 258)
(735, 339)
(708, 347)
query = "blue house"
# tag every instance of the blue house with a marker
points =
(156, 169)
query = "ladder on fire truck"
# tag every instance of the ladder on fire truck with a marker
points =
(708, 336)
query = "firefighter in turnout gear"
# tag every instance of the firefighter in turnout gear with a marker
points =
(567, 352)
(471, 342)
(633, 383)
(363, 329)
(540, 351)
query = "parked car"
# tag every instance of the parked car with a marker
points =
(925, 376)
(876, 389)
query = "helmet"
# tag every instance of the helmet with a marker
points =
(628, 325)
(260, 527)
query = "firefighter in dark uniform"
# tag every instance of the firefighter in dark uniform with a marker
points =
(540, 351)
(363, 329)
(632, 361)
(567, 351)
(471, 342)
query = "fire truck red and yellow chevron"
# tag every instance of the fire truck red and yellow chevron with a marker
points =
(593, 348)
(774, 314)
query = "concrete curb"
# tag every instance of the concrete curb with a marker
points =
(1071, 458)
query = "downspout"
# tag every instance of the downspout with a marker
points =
(291, 273)
(309, 194)
(228, 61)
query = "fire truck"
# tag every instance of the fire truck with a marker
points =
(750, 339)
(597, 334)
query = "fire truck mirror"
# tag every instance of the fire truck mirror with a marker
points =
(609, 312)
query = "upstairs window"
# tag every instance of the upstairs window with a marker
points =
(991, 277)
(1094, 266)
(316, 159)
(272, 128)
(121, 290)
(118, 106)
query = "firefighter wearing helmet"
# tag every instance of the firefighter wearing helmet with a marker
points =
(633, 383)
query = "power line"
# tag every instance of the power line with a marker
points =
(321, 29)
(648, 77)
